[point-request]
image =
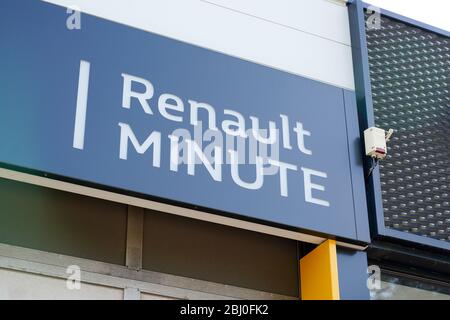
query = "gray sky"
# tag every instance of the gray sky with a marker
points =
(433, 12)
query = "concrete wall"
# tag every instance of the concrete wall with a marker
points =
(29, 286)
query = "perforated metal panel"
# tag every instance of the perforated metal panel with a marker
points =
(410, 77)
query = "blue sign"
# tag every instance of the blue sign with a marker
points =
(121, 108)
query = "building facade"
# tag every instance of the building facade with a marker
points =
(214, 150)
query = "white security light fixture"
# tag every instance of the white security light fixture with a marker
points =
(375, 140)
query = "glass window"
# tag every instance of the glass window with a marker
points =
(404, 287)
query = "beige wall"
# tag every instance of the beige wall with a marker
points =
(21, 285)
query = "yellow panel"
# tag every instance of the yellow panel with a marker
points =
(319, 273)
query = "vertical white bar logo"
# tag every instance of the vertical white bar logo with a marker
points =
(80, 116)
